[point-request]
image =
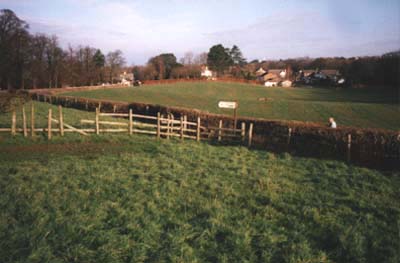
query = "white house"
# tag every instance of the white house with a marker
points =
(126, 78)
(205, 72)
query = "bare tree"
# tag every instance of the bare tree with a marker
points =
(37, 59)
(54, 57)
(187, 58)
(201, 59)
(114, 61)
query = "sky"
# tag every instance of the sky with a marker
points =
(262, 29)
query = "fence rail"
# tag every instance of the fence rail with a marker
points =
(160, 126)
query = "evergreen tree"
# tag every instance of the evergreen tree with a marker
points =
(219, 58)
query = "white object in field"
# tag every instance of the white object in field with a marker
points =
(271, 84)
(206, 73)
(341, 81)
(287, 84)
(227, 104)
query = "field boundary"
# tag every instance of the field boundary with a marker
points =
(375, 148)
(56, 91)
(159, 125)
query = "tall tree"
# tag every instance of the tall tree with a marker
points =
(54, 57)
(13, 39)
(219, 59)
(164, 64)
(99, 61)
(38, 48)
(237, 56)
(115, 61)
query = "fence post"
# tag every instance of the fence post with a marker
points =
(130, 122)
(49, 125)
(158, 125)
(97, 121)
(198, 129)
(61, 120)
(32, 120)
(185, 120)
(87, 105)
(13, 123)
(168, 124)
(24, 122)
(243, 133)
(114, 108)
(289, 136)
(220, 131)
(349, 147)
(250, 134)
(181, 128)
(171, 127)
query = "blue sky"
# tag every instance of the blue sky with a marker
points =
(262, 29)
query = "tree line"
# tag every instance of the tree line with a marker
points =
(166, 65)
(38, 61)
(369, 71)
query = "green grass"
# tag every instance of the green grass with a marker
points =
(135, 199)
(71, 116)
(359, 108)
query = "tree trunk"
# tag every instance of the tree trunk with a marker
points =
(56, 81)
(8, 84)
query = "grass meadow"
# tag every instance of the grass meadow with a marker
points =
(120, 198)
(359, 108)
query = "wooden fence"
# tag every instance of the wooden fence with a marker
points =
(130, 123)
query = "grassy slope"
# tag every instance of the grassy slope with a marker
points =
(71, 116)
(120, 198)
(350, 107)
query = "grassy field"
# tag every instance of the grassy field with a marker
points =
(135, 199)
(360, 108)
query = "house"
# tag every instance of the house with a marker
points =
(280, 72)
(330, 72)
(271, 80)
(306, 73)
(126, 78)
(206, 73)
(319, 77)
(273, 77)
(260, 73)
